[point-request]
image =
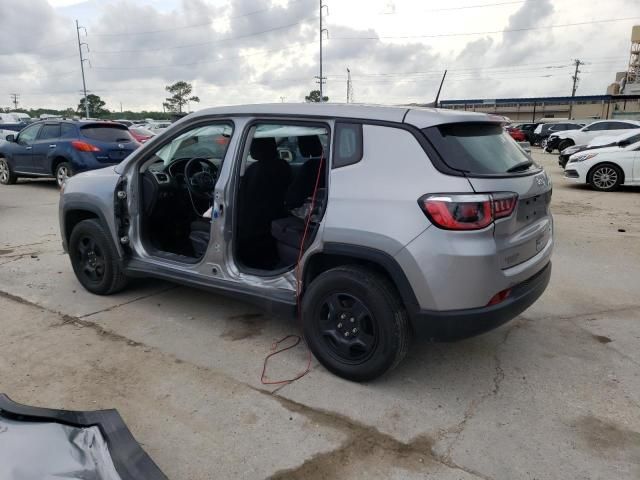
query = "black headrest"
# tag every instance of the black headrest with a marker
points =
(264, 149)
(310, 146)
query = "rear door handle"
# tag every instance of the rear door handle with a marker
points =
(27, 148)
(53, 145)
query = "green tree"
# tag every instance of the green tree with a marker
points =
(180, 95)
(96, 106)
(314, 96)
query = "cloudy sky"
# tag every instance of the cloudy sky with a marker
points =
(245, 51)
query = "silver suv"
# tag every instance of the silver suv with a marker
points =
(372, 224)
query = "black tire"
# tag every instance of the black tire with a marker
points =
(7, 177)
(62, 172)
(565, 144)
(94, 258)
(605, 177)
(363, 302)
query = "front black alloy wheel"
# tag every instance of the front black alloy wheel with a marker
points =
(95, 259)
(354, 322)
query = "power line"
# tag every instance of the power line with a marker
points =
(466, 7)
(195, 25)
(202, 62)
(200, 44)
(487, 32)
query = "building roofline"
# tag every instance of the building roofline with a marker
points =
(577, 98)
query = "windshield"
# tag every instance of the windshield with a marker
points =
(208, 142)
(107, 133)
(477, 148)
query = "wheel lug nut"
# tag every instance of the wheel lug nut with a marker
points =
(352, 319)
(355, 330)
(340, 325)
(346, 334)
(343, 316)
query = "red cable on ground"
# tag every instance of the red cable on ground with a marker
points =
(274, 347)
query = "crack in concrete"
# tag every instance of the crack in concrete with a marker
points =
(142, 297)
(476, 402)
(363, 443)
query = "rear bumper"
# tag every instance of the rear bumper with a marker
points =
(458, 324)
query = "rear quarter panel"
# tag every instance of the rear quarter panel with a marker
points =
(374, 203)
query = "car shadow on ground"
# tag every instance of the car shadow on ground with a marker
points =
(44, 183)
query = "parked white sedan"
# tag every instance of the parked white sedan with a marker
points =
(606, 168)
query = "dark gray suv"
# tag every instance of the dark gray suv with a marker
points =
(376, 224)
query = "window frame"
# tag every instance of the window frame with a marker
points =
(36, 127)
(55, 125)
(359, 152)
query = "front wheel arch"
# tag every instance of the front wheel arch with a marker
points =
(603, 164)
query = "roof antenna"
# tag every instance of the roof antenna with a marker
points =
(435, 103)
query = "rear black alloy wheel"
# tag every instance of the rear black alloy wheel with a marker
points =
(354, 322)
(63, 172)
(7, 177)
(605, 177)
(94, 258)
(347, 328)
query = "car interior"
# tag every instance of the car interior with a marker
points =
(281, 167)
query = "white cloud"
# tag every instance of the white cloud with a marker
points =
(241, 51)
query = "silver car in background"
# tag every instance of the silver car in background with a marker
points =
(373, 224)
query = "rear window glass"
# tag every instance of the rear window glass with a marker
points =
(477, 148)
(107, 133)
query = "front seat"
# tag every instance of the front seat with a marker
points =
(261, 200)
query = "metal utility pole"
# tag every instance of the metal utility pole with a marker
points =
(282, 99)
(82, 60)
(349, 87)
(14, 99)
(576, 79)
(440, 89)
(320, 78)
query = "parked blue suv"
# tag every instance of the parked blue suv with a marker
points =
(62, 148)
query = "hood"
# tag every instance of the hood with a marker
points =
(599, 150)
(603, 140)
(47, 443)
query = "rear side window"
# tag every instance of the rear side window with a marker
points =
(621, 126)
(107, 133)
(67, 130)
(476, 148)
(49, 131)
(348, 144)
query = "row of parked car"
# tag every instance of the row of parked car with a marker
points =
(537, 133)
(603, 154)
(60, 148)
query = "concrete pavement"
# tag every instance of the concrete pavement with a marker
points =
(553, 394)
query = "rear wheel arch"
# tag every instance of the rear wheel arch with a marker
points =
(57, 161)
(337, 254)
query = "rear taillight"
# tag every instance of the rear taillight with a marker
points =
(467, 211)
(84, 146)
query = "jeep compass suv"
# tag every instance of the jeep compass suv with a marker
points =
(373, 224)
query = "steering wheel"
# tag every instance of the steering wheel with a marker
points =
(200, 183)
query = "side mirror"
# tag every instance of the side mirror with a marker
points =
(10, 138)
